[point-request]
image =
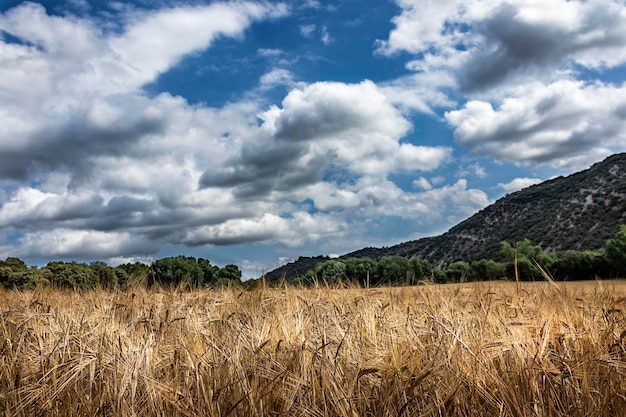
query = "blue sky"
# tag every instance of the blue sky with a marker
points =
(255, 132)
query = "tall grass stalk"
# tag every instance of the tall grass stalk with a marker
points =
(448, 350)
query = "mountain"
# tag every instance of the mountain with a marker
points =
(580, 212)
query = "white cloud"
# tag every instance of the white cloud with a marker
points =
(296, 230)
(326, 38)
(464, 200)
(557, 123)
(489, 50)
(472, 169)
(89, 244)
(487, 41)
(423, 92)
(307, 30)
(277, 76)
(352, 125)
(156, 42)
(72, 55)
(270, 52)
(96, 166)
(422, 183)
(518, 184)
(105, 171)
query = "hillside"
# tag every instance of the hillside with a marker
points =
(580, 211)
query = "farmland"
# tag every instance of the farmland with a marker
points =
(474, 349)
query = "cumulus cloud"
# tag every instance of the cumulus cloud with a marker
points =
(98, 169)
(518, 184)
(529, 37)
(422, 183)
(555, 123)
(320, 127)
(72, 243)
(486, 42)
(72, 90)
(295, 230)
(307, 30)
(514, 67)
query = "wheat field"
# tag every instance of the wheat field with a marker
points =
(498, 349)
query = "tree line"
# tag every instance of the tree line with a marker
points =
(523, 261)
(171, 271)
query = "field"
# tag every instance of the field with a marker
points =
(498, 349)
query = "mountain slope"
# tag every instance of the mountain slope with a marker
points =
(580, 211)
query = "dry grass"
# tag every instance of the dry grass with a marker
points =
(453, 350)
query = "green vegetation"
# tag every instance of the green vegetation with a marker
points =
(523, 261)
(173, 271)
(579, 212)
(616, 250)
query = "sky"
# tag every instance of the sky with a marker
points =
(252, 133)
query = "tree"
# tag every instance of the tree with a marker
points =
(615, 250)
(525, 257)
(362, 270)
(14, 273)
(487, 269)
(135, 270)
(229, 274)
(424, 270)
(394, 269)
(178, 269)
(107, 275)
(16, 264)
(72, 275)
(331, 271)
(209, 272)
(458, 271)
(576, 265)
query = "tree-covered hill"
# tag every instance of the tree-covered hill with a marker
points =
(577, 212)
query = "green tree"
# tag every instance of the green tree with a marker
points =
(209, 272)
(615, 250)
(228, 275)
(331, 271)
(487, 269)
(458, 271)
(107, 275)
(14, 273)
(16, 264)
(134, 270)
(526, 257)
(362, 270)
(576, 265)
(72, 275)
(394, 269)
(178, 269)
(423, 270)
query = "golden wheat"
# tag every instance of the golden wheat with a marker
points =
(455, 350)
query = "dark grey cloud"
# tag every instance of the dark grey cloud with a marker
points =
(271, 165)
(318, 120)
(512, 46)
(72, 145)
